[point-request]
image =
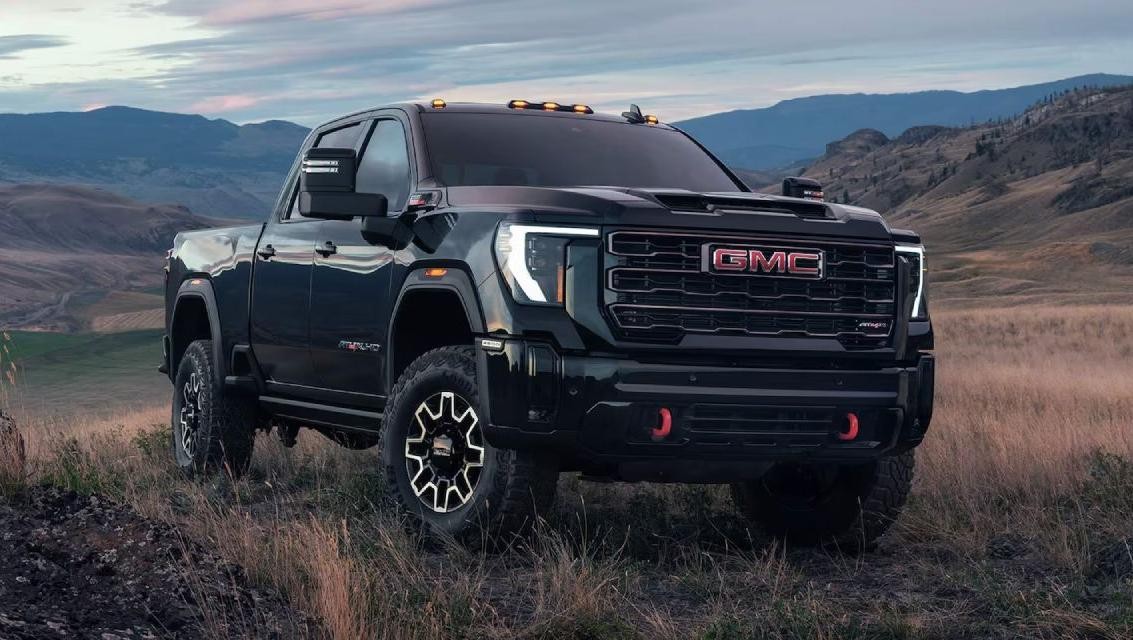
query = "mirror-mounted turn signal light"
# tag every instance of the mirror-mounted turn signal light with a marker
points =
(439, 104)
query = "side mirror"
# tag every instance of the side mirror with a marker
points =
(342, 206)
(328, 170)
(326, 187)
(803, 188)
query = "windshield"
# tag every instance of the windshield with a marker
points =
(474, 149)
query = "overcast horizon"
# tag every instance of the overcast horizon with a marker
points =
(289, 59)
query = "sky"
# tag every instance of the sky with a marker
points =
(310, 60)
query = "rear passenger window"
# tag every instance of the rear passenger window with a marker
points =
(384, 167)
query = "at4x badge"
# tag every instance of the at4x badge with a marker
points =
(350, 345)
(874, 327)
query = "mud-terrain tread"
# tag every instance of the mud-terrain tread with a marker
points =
(525, 480)
(882, 502)
(231, 434)
(893, 480)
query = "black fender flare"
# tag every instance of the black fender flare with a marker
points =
(200, 288)
(453, 281)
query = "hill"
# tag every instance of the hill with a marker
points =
(799, 129)
(72, 254)
(212, 166)
(1036, 206)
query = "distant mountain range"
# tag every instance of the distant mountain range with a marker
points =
(795, 130)
(211, 166)
(218, 168)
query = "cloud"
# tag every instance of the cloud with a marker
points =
(15, 44)
(223, 104)
(226, 13)
(309, 61)
(250, 11)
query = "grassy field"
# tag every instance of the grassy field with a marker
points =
(120, 311)
(1020, 524)
(68, 374)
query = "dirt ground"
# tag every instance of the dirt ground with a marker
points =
(81, 566)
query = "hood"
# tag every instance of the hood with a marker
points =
(743, 212)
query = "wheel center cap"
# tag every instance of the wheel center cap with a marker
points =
(442, 446)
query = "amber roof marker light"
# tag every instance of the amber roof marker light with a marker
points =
(550, 105)
(439, 104)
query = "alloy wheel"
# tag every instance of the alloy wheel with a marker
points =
(444, 452)
(190, 418)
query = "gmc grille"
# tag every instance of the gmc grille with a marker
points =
(658, 291)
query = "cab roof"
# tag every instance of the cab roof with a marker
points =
(496, 108)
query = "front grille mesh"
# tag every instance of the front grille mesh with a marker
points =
(658, 291)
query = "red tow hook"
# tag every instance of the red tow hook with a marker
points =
(663, 431)
(851, 431)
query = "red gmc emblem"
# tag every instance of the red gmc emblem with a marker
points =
(784, 263)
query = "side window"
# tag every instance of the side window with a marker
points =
(384, 167)
(344, 138)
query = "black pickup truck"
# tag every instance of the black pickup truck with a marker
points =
(494, 294)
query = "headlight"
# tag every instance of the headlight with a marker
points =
(915, 256)
(532, 259)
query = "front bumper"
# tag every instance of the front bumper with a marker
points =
(600, 411)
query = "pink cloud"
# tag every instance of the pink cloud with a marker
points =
(221, 104)
(230, 13)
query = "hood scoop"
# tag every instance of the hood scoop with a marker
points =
(713, 204)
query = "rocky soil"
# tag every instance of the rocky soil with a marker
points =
(80, 566)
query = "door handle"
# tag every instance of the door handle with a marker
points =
(267, 252)
(327, 249)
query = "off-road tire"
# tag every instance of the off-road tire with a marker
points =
(225, 423)
(514, 487)
(863, 502)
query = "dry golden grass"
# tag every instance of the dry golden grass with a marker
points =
(1024, 398)
(1019, 526)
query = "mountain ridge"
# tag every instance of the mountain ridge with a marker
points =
(799, 128)
(219, 168)
(210, 165)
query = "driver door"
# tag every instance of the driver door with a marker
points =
(350, 290)
(281, 287)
